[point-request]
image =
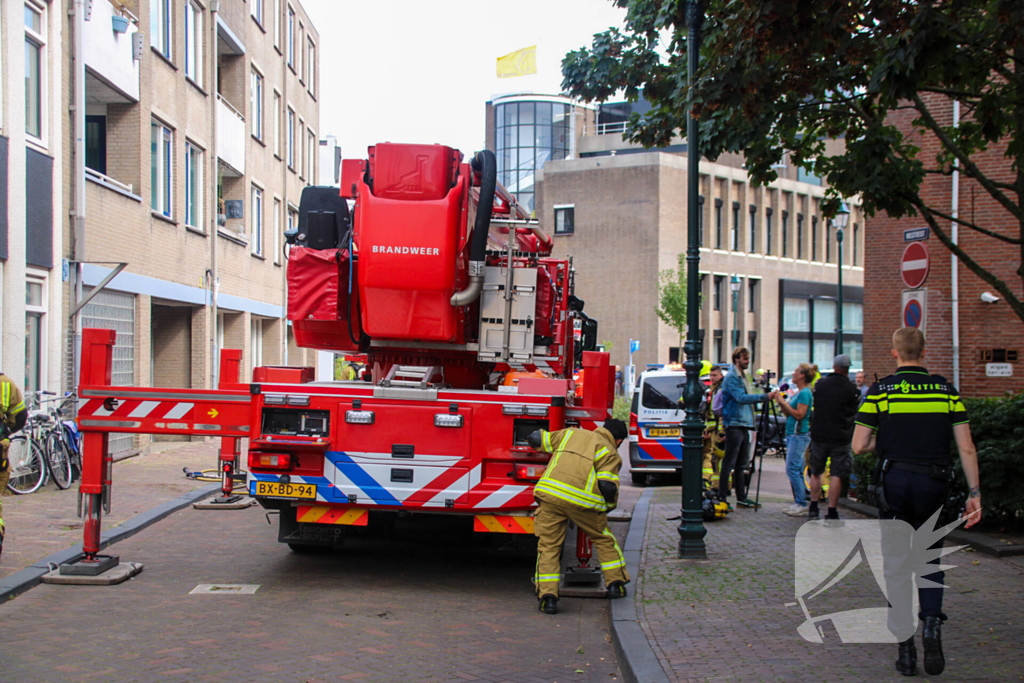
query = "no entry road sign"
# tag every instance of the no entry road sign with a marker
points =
(914, 265)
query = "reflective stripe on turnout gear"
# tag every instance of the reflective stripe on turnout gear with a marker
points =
(608, 476)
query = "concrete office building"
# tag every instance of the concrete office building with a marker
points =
(31, 201)
(621, 212)
(201, 125)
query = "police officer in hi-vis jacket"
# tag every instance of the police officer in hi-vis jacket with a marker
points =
(581, 483)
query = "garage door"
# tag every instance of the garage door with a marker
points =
(116, 311)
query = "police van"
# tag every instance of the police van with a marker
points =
(655, 423)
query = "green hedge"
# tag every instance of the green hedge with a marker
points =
(997, 425)
(620, 411)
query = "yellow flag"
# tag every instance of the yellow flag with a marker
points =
(518, 63)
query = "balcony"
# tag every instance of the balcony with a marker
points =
(230, 137)
(111, 71)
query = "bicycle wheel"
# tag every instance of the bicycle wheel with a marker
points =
(27, 467)
(58, 461)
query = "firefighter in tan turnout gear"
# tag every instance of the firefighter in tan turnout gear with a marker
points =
(12, 418)
(581, 483)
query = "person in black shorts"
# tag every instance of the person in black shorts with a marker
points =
(836, 399)
(909, 419)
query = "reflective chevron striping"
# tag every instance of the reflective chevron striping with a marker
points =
(329, 514)
(503, 524)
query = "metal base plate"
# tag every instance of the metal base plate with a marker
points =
(229, 503)
(582, 583)
(119, 573)
(83, 568)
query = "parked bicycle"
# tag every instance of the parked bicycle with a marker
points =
(48, 447)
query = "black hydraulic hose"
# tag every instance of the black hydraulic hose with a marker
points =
(486, 165)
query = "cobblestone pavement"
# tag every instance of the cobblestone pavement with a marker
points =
(726, 618)
(425, 606)
(46, 521)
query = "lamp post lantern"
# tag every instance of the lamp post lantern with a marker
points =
(691, 524)
(841, 220)
(734, 284)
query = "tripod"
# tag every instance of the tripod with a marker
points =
(769, 411)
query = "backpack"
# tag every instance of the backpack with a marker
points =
(718, 403)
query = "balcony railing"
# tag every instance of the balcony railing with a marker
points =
(230, 136)
(605, 128)
(110, 57)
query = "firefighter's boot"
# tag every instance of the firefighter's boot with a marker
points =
(549, 604)
(934, 661)
(2, 529)
(616, 589)
(906, 663)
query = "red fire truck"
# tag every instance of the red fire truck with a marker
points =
(426, 265)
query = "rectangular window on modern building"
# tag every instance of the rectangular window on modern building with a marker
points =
(752, 295)
(257, 11)
(277, 231)
(785, 234)
(311, 150)
(794, 352)
(255, 342)
(799, 235)
(856, 244)
(814, 238)
(565, 220)
(311, 68)
(290, 27)
(300, 46)
(277, 124)
(828, 241)
(719, 347)
(194, 42)
(161, 168)
(718, 224)
(193, 186)
(752, 247)
(35, 70)
(290, 142)
(824, 316)
(700, 220)
(35, 333)
(256, 208)
(96, 143)
(734, 237)
(717, 294)
(277, 24)
(256, 103)
(161, 35)
(768, 231)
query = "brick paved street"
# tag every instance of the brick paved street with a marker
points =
(725, 619)
(46, 521)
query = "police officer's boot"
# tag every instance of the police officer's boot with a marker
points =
(549, 604)
(934, 662)
(906, 663)
(616, 589)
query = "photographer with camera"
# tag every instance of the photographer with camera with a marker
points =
(738, 399)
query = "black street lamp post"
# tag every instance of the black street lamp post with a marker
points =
(841, 220)
(691, 525)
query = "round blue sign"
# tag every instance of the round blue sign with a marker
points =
(912, 313)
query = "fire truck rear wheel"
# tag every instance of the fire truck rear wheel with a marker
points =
(639, 478)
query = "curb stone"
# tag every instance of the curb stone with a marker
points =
(16, 584)
(979, 542)
(637, 660)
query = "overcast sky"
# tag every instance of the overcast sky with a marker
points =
(418, 71)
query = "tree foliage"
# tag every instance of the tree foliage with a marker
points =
(672, 298)
(787, 76)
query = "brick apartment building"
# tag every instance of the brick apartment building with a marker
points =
(202, 125)
(964, 333)
(31, 202)
(620, 210)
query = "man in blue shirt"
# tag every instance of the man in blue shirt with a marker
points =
(738, 401)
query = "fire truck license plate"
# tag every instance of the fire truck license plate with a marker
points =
(674, 431)
(273, 488)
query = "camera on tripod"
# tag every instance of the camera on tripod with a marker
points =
(764, 381)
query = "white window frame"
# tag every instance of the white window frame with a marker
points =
(257, 11)
(301, 137)
(291, 37)
(565, 210)
(277, 230)
(194, 42)
(277, 24)
(311, 61)
(302, 49)
(255, 343)
(256, 86)
(256, 222)
(162, 192)
(290, 144)
(311, 149)
(161, 27)
(277, 124)
(38, 39)
(194, 201)
(36, 277)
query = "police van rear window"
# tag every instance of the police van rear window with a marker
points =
(662, 393)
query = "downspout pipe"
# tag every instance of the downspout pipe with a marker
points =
(214, 275)
(78, 231)
(487, 166)
(954, 270)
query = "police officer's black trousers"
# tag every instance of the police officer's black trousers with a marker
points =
(913, 498)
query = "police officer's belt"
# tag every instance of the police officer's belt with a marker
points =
(936, 471)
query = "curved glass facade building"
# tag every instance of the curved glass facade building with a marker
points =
(528, 131)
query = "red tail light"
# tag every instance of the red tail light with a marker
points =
(269, 461)
(525, 471)
(633, 427)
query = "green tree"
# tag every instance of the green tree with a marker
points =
(782, 76)
(672, 298)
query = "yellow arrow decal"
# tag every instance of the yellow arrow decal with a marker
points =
(213, 412)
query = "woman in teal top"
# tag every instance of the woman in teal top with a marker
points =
(798, 435)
